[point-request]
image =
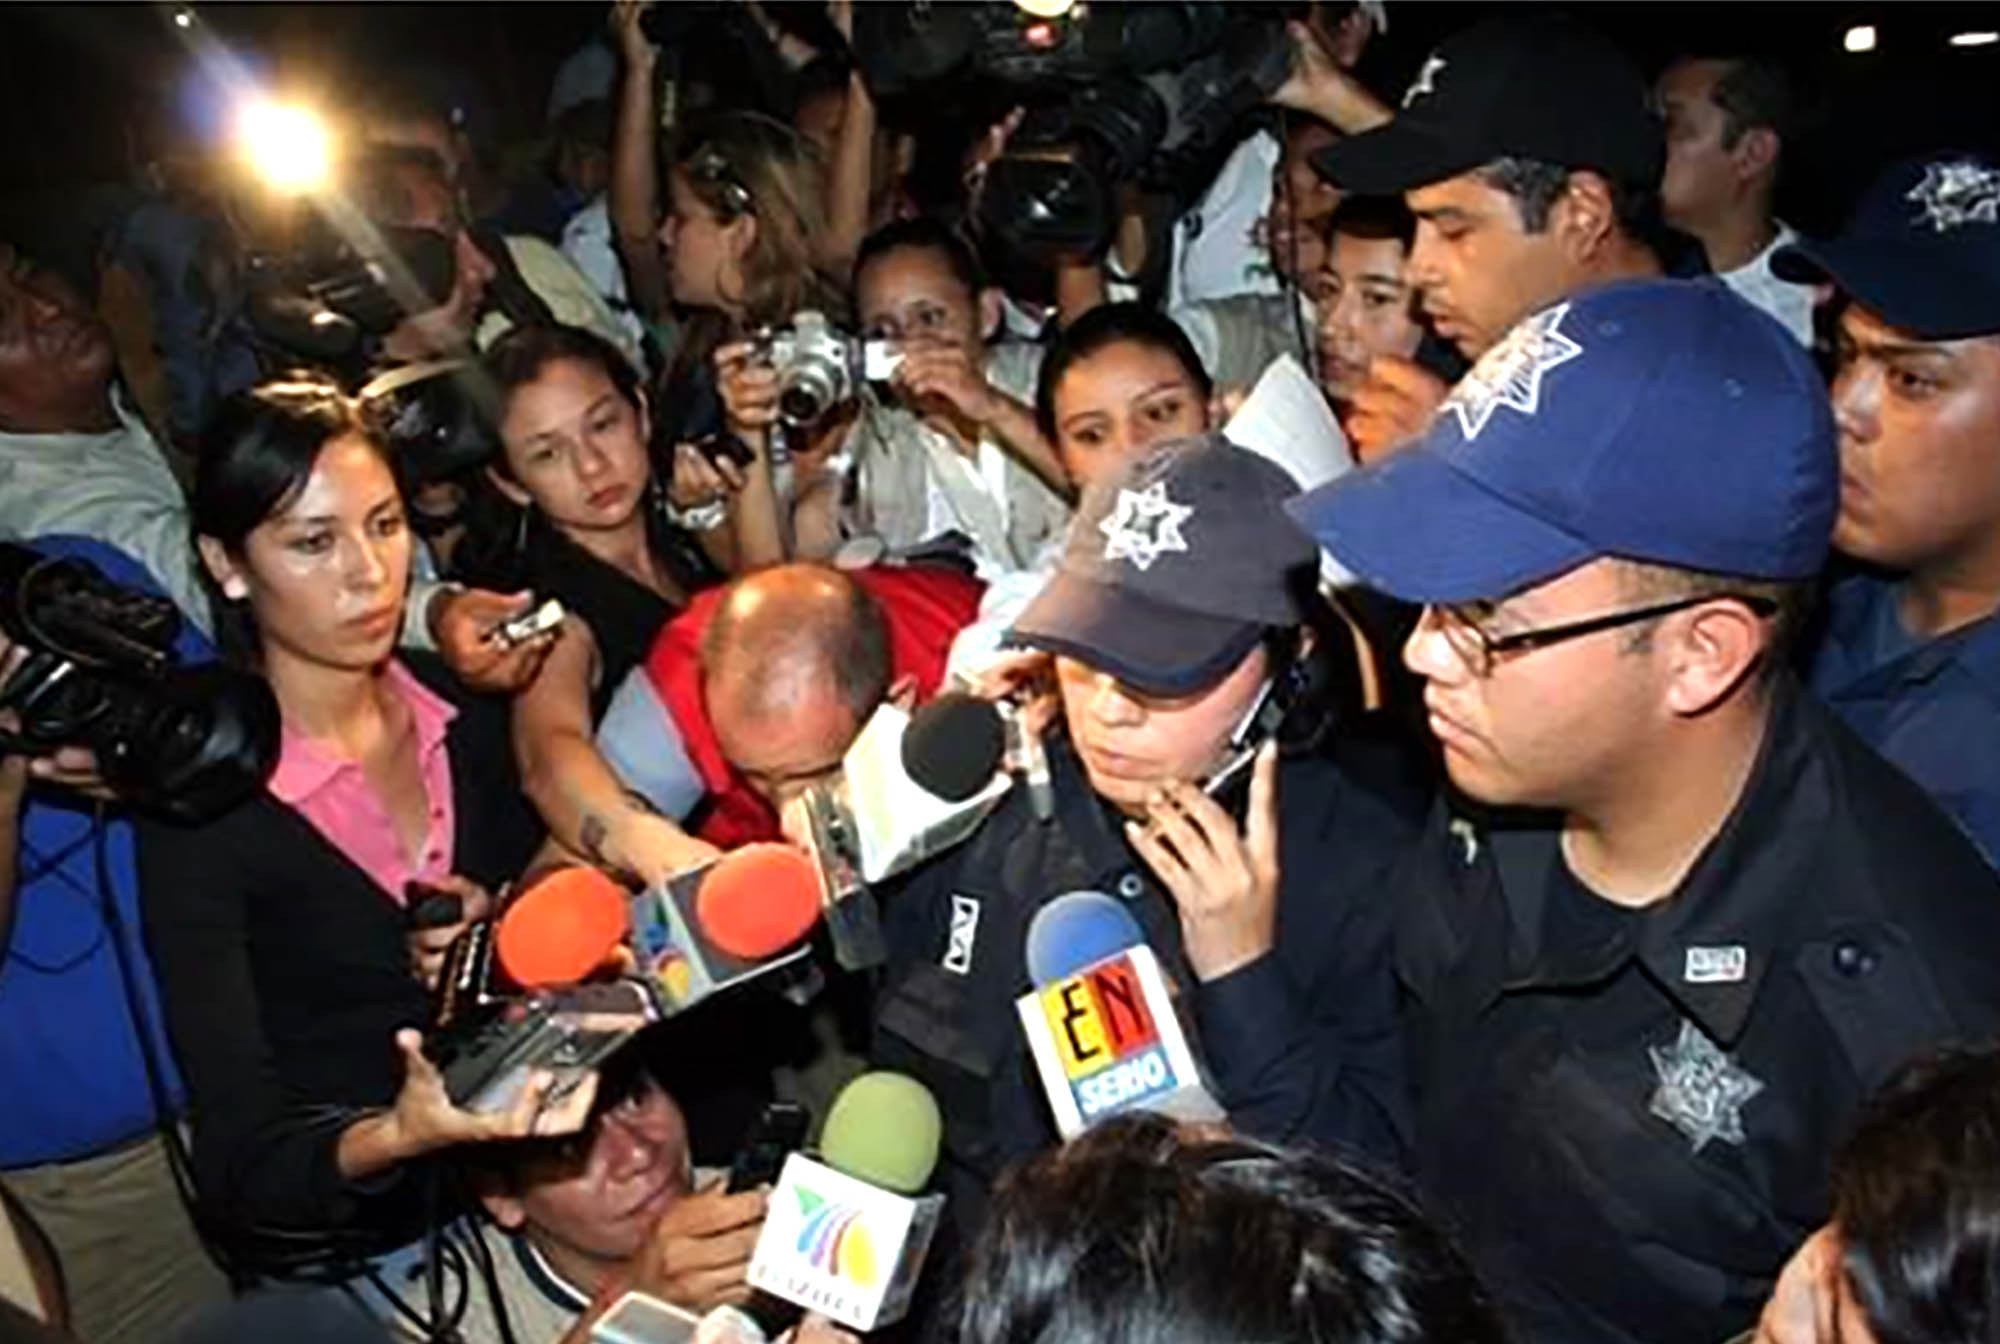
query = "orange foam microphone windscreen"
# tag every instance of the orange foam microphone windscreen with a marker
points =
(758, 900)
(561, 928)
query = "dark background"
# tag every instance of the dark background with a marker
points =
(82, 81)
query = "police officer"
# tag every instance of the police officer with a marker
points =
(1645, 1001)
(1177, 623)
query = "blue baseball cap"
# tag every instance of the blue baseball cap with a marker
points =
(1922, 249)
(1665, 421)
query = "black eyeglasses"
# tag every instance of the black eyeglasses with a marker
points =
(1482, 651)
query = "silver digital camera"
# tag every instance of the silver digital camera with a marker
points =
(819, 366)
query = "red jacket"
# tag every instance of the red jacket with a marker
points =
(926, 607)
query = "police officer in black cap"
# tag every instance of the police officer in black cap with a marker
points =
(1179, 628)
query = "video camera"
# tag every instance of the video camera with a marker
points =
(184, 744)
(1149, 93)
(820, 366)
(324, 300)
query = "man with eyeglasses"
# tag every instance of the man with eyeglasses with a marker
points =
(1675, 919)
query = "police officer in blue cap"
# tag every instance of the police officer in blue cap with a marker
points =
(1911, 651)
(1676, 919)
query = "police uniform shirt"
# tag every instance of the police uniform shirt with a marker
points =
(1931, 706)
(1627, 1116)
(1300, 1045)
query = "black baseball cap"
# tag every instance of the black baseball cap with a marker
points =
(1922, 249)
(1542, 87)
(1173, 569)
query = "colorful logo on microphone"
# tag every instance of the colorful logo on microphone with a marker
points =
(835, 1240)
(1106, 1038)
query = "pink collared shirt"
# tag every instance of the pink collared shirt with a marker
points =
(333, 794)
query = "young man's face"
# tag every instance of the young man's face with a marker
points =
(1364, 310)
(1478, 269)
(912, 296)
(1553, 727)
(53, 350)
(1700, 179)
(604, 1204)
(1919, 444)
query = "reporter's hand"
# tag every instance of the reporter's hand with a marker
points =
(633, 44)
(424, 1120)
(1314, 71)
(462, 622)
(655, 848)
(946, 374)
(1225, 882)
(699, 480)
(428, 946)
(1395, 405)
(749, 390)
(700, 1249)
(1801, 1309)
(71, 768)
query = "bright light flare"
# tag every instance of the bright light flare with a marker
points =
(183, 18)
(1861, 37)
(1984, 39)
(1045, 9)
(286, 145)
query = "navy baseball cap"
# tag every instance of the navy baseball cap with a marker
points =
(1922, 249)
(1173, 569)
(1541, 87)
(1665, 421)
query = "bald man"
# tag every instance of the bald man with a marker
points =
(749, 697)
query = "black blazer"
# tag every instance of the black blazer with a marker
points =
(284, 974)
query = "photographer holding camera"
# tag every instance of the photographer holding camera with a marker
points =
(952, 447)
(290, 983)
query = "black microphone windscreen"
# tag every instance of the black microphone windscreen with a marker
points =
(953, 745)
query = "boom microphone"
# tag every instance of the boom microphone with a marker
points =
(843, 1235)
(1101, 1022)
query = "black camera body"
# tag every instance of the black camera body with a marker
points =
(185, 744)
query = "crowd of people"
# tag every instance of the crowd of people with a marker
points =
(1564, 815)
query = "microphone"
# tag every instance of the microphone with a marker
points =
(1101, 1022)
(953, 745)
(910, 786)
(846, 1234)
(560, 928)
(716, 926)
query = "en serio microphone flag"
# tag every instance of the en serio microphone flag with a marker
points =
(846, 1236)
(714, 927)
(1106, 1040)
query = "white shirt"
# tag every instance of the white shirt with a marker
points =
(586, 240)
(1756, 284)
(114, 487)
(1215, 252)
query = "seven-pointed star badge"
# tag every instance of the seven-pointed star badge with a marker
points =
(1702, 1090)
(1510, 374)
(1957, 192)
(1144, 525)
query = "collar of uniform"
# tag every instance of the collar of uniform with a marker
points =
(1741, 893)
(536, 1269)
(1087, 823)
(1853, 608)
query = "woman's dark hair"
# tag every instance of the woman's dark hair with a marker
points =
(1135, 1235)
(1105, 325)
(519, 357)
(929, 234)
(261, 445)
(1916, 1201)
(255, 455)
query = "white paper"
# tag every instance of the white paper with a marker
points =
(1287, 419)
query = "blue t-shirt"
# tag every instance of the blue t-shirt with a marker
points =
(1931, 706)
(75, 1081)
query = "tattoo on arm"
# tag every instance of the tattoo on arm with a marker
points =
(592, 837)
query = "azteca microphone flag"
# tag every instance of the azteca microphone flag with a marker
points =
(845, 1234)
(703, 931)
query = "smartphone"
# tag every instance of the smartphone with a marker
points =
(518, 630)
(1257, 726)
(722, 446)
(779, 1132)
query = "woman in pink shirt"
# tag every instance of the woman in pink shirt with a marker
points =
(293, 993)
